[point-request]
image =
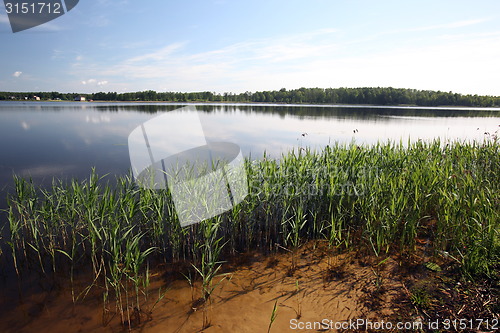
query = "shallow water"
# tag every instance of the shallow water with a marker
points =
(43, 140)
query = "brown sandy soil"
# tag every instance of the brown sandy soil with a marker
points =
(336, 288)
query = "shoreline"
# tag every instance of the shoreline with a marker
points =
(228, 103)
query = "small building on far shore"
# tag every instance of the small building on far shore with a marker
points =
(36, 98)
(79, 99)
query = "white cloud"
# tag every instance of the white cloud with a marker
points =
(57, 54)
(316, 59)
(161, 54)
(94, 82)
(212, 69)
(452, 25)
(17, 74)
(98, 21)
(464, 66)
(89, 81)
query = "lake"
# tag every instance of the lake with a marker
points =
(43, 140)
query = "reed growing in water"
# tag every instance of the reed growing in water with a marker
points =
(380, 197)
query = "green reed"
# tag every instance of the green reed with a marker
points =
(381, 197)
(274, 314)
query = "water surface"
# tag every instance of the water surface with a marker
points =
(43, 140)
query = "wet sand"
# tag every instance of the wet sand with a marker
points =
(322, 288)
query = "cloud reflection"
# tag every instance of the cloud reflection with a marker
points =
(46, 170)
(25, 125)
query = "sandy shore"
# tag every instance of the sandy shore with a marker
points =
(325, 292)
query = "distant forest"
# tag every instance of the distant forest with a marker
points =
(375, 96)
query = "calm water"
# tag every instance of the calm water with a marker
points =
(45, 140)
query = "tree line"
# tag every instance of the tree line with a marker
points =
(374, 96)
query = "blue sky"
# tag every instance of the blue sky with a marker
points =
(239, 45)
